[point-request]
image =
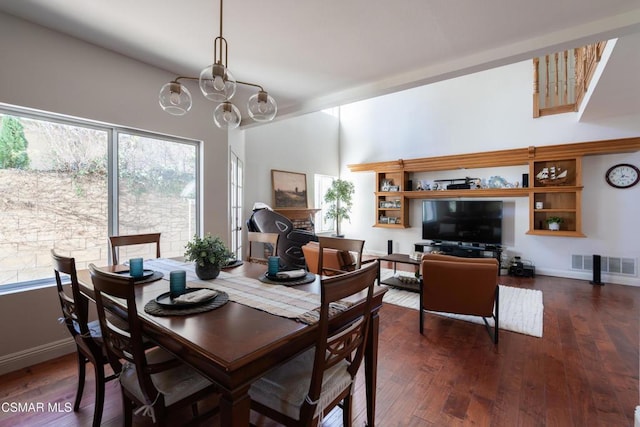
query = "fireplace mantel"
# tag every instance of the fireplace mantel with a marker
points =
(297, 213)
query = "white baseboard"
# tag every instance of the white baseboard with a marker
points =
(637, 418)
(32, 356)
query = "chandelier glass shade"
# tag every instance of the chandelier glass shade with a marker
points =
(217, 84)
(175, 98)
(262, 107)
(227, 116)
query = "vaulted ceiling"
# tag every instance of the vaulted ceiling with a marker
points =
(316, 54)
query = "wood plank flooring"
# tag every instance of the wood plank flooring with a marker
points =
(583, 372)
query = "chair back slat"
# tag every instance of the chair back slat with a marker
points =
(121, 330)
(133, 239)
(341, 335)
(266, 238)
(353, 246)
(75, 308)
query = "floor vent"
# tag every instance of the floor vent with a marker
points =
(609, 265)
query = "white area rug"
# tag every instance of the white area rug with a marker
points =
(521, 310)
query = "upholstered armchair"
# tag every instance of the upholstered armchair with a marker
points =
(291, 239)
(462, 286)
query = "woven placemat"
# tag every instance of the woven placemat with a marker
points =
(308, 278)
(157, 275)
(153, 308)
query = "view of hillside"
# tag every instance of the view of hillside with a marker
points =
(54, 195)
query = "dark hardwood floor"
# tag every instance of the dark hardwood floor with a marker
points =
(583, 372)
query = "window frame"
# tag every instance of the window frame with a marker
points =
(112, 131)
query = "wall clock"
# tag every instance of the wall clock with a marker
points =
(622, 175)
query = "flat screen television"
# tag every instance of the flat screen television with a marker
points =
(462, 221)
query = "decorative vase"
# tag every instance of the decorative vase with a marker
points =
(554, 226)
(207, 272)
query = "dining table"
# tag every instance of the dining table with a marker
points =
(236, 343)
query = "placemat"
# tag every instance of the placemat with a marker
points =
(153, 308)
(157, 275)
(234, 264)
(308, 278)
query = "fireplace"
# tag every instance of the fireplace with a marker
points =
(300, 217)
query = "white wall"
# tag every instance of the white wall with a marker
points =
(307, 144)
(491, 110)
(48, 71)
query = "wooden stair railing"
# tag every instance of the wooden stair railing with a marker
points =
(560, 80)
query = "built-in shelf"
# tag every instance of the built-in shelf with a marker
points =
(560, 195)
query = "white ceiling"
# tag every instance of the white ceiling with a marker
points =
(313, 54)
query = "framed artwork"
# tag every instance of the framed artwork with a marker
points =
(289, 189)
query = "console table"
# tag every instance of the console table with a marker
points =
(402, 259)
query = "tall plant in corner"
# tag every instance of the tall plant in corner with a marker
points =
(339, 198)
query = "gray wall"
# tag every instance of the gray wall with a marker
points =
(48, 71)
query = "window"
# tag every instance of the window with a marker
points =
(156, 192)
(236, 172)
(55, 176)
(322, 185)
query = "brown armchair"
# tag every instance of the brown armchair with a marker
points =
(462, 286)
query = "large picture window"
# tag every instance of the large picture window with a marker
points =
(68, 184)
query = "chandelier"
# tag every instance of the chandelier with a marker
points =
(218, 84)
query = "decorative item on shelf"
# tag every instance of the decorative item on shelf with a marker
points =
(338, 197)
(553, 222)
(209, 253)
(218, 84)
(394, 188)
(385, 184)
(498, 182)
(552, 175)
(423, 185)
(466, 183)
(539, 205)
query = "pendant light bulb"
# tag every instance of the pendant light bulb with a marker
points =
(217, 83)
(226, 116)
(262, 107)
(175, 99)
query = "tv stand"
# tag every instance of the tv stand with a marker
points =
(464, 250)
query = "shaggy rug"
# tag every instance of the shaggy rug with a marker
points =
(521, 310)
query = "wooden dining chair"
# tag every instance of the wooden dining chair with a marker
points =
(352, 246)
(265, 239)
(87, 335)
(300, 391)
(133, 239)
(152, 382)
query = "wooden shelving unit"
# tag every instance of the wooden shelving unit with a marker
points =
(559, 197)
(391, 205)
(557, 185)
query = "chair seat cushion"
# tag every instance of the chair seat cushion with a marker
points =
(285, 387)
(175, 384)
(94, 329)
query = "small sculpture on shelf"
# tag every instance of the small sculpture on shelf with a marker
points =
(552, 175)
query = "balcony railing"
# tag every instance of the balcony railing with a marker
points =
(560, 80)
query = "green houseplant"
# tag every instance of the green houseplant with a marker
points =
(554, 222)
(209, 253)
(339, 198)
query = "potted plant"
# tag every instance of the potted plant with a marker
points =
(209, 253)
(554, 222)
(339, 198)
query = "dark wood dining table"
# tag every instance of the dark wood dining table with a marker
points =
(235, 344)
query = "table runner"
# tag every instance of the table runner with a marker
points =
(274, 299)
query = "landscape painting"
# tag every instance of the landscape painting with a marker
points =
(289, 189)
